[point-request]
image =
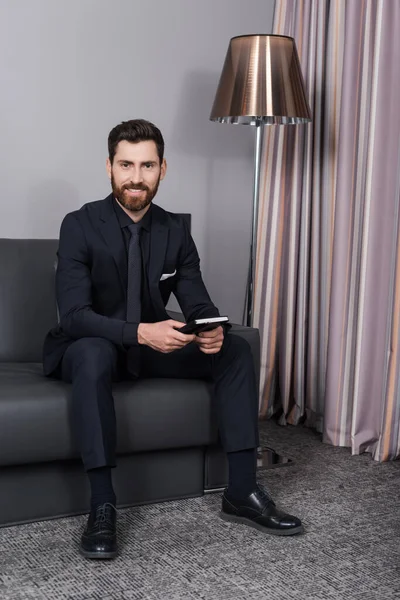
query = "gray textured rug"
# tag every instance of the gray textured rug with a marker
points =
(182, 550)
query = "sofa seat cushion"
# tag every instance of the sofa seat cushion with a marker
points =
(152, 414)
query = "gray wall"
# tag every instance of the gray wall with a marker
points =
(71, 70)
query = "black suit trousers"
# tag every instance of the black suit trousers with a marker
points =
(91, 365)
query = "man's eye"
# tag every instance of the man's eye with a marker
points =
(125, 165)
(148, 165)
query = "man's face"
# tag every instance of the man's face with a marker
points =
(135, 174)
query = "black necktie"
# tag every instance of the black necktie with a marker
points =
(133, 300)
(133, 306)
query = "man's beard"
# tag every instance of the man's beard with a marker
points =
(129, 202)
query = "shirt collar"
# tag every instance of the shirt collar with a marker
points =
(125, 220)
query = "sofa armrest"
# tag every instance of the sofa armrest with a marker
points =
(250, 334)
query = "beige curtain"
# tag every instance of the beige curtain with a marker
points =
(327, 294)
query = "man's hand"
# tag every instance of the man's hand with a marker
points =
(210, 342)
(163, 336)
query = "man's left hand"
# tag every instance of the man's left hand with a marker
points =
(210, 342)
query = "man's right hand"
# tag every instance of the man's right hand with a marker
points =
(163, 336)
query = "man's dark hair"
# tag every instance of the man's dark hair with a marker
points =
(134, 131)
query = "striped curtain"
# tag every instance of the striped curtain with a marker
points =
(327, 292)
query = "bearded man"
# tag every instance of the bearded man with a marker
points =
(119, 260)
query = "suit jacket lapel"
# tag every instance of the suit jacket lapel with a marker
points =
(158, 248)
(112, 234)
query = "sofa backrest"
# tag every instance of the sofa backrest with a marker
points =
(27, 297)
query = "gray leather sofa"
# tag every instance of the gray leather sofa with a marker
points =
(167, 435)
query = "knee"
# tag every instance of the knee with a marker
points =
(94, 358)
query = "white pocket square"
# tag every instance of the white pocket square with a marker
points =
(167, 275)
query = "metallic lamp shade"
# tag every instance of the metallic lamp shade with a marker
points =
(261, 83)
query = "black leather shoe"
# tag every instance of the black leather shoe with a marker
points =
(99, 540)
(258, 510)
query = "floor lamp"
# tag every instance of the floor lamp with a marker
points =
(261, 84)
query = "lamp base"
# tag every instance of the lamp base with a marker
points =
(267, 458)
(217, 467)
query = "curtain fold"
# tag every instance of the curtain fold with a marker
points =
(327, 292)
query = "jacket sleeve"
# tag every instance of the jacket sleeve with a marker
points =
(74, 295)
(190, 290)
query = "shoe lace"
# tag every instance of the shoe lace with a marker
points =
(264, 493)
(104, 514)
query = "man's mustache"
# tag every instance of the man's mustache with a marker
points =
(136, 187)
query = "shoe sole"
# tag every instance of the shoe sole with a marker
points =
(243, 521)
(98, 555)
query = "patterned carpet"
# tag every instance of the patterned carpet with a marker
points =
(183, 551)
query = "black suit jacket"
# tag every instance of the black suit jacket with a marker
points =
(91, 278)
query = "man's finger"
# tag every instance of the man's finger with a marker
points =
(209, 350)
(202, 342)
(182, 337)
(208, 346)
(213, 344)
(176, 326)
(174, 323)
(172, 345)
(214, 340)
(212, 333)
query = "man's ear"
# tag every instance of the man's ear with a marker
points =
(163, 168)
(108, 167)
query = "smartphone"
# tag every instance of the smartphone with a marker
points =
(199, 325)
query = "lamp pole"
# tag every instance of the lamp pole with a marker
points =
(254, 224)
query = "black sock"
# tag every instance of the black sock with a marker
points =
(242, 472)
(101, 486)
